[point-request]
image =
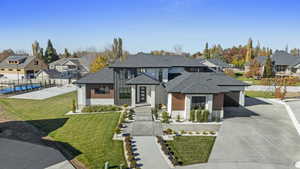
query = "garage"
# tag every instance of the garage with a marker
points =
(232, 99)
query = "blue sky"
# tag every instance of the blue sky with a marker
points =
(146, 25)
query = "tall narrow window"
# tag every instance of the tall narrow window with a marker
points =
(160, 75)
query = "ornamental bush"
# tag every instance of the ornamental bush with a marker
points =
(192, 115)
(165, 117)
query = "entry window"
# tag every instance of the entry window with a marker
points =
(125, 93)
(198, 102)
(102, 90)
(160, 75)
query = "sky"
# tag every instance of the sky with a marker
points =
(146, 25)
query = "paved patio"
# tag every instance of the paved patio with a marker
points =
(45, 93)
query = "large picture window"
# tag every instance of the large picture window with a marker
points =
(198, 102)
(125, 93)
(102, 90)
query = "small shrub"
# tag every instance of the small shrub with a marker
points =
(118, 130)
(183, 132)
(190, 132)
(125, 105)
(169, 131)
(212, 132)
(205, 133)
(205, 115)
(192, 115)
(178, 118)
(101, 108)
(229, 72)
(165, 117)
(74, 106)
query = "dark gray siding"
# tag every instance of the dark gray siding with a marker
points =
(123, 91)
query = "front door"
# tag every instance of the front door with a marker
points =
(143, 94)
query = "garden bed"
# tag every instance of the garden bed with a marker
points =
(101, 108)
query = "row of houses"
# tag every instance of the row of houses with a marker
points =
(29, 67)
(180, 83)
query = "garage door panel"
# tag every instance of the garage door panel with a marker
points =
(232, 99)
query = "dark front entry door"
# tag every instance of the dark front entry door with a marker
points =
(142, 94)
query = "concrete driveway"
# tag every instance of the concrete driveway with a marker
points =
(258, 136)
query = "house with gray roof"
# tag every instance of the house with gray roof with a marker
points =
(21, 67)
(284, 63)
(181, 84)
(71, 67)
(216, 64)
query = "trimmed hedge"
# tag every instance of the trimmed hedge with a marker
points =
(101, 108)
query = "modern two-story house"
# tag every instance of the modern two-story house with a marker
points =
(180, 83)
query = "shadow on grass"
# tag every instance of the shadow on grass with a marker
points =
(26, 131)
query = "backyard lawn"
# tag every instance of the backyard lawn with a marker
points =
(87, 137)
(192, 149)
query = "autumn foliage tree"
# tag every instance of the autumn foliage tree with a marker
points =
(254, 69)
(100, 62)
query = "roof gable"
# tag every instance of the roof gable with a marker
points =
(104, 76)
(143, 79)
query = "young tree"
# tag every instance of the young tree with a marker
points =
(268, 68)
(117, 49)
(50, 53)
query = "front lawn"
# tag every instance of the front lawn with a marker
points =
(260, 94)
(192, 149)
(87, 137)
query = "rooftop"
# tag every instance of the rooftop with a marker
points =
(104, 76)
(154, 61)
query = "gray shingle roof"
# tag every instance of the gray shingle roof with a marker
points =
(80, 62)
(143, 79)
(281, 58)
(26, 61)
(217, 62)
(104, 76)
(197, 83)
(147, 60)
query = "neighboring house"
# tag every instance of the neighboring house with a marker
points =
(216, 64)
(70, 67)
(284, 63)
(53, 76)
(21, 67)
(178, 82)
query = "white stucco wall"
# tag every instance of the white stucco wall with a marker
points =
(102, 101)
(12, 76)
(81, 95)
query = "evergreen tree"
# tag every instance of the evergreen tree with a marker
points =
(66, 53)
(268, 68)
(249, 54)
(50, 53)
(206, 53)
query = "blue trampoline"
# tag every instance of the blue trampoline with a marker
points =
(19, 88)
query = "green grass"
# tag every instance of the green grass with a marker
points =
(87, 137)
(192, 149)
(260, 94)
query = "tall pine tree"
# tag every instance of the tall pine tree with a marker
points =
(206, 53)
(249, 54)
(50, 53)
(268, 68)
